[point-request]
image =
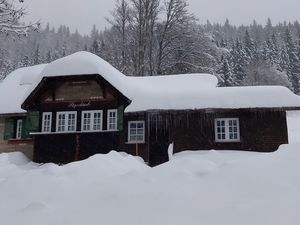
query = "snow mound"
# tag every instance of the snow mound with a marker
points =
(206, 187)
(15, 158)
(111, 164)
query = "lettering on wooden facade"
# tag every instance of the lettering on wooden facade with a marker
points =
(74, 105)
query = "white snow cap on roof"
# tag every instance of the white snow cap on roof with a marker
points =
(217, 98)
(169, 92)
(86, 63)
(15, 86)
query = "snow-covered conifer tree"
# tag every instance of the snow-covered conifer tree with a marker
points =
(293, 70)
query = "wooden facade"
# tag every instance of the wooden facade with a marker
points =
(258, 129)
(9, 142)
(261, 130)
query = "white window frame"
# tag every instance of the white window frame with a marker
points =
(43, 122)
(19, 129)
(129, 134)
(92, 112)
(227, 133)
(116, 119)
(66, 113)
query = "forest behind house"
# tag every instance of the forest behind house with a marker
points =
(152, 37)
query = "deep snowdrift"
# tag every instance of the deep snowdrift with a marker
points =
(210, 188)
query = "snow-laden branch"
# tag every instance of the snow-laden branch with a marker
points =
(10, 16)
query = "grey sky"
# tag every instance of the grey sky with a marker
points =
(82, 14)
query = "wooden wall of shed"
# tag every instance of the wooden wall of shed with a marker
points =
(262, 130)
(6, 146)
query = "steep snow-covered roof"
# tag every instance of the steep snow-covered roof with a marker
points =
(173, 92)
(15, 86)
(86, 63)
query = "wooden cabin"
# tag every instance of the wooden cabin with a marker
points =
(84, 106)
(16, 123)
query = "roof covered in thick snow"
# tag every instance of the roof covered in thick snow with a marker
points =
(85, 63)
(15, 86)
(172, 92)
(217, 98)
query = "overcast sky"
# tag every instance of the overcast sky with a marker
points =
(82, 14)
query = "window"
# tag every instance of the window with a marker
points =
(66, 121)
(19, 129)
(136, 131)
(91, 120)
(112, 119)
(227, 130)
(46, 122)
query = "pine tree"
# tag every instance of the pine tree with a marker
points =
(239, 60)
(249, 45)
(95, 48)
(293, 69)
(25, 61)
(49, 57)
(225, 73)
(37, 56)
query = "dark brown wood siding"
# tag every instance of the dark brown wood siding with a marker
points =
(261, 130)
(65, 148)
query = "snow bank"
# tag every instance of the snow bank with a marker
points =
(293, 124)
(15, 86)
(205, 187)
(16, 158)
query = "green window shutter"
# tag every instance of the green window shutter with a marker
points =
(9, 128)
(25, 131)
(120, 117)
(30, 124)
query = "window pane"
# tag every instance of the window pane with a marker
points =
(136, 132)
(97, 121)
(86, 121)
(132, 125)
(71, 122)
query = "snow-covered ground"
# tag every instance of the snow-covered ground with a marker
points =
(195, 188)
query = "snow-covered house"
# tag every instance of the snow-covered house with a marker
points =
(86, 106)
(15, 123)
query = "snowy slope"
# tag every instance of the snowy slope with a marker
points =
(293, 125)
(15, 86)
(209, 187)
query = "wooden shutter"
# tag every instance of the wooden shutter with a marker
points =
(9, 128)
(30, 124)
(120, 117)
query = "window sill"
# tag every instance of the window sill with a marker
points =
(134, 143)
(20, 141)
(73, 132)
(227, 141)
